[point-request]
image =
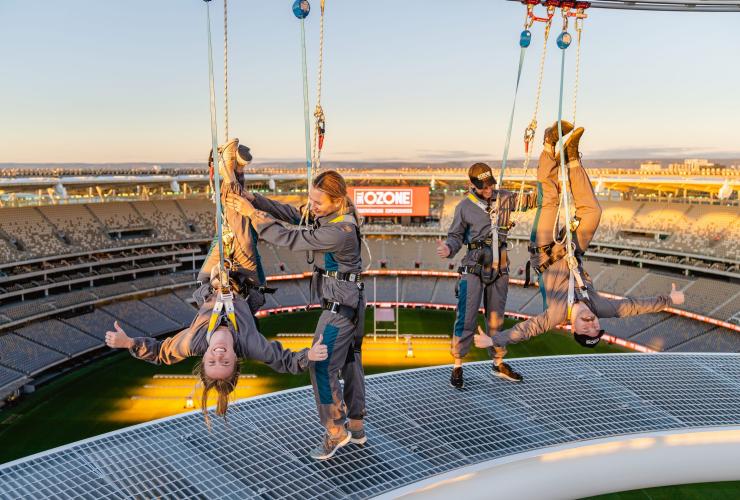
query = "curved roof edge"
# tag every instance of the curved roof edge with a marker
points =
(621, 463)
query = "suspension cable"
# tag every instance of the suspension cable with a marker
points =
(217, 156)
(301, 9)
(531, 130)
(320, 118)
(564, 40)
(579, 30)
(226, 73)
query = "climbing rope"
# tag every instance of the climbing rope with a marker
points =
(217, 158)
(580, 16)
(226, 73)
(564, 41)
(525, 39)
(224, 301)
(301, 9)
(531, 130)
(320, 118)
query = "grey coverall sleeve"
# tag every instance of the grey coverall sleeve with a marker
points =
(168, 351)
(456, 233)
(212, 259)
(551, 317)
(273, 354)
(325, 238)
(280, 211)
(628, 306)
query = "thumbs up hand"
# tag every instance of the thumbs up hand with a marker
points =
(481, 339)
(117, 338)
(442, 249)
(677, 296)
(319, 351)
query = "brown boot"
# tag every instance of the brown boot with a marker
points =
(551, 133)
(571, 145)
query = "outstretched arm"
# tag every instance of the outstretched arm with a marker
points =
(629, 306)
(168, 351)
(524, 330)
(324, 239)
(283, 360)
(281, 211)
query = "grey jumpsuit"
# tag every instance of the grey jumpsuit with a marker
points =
(245, 259)
(248, 341)
(472, 224)
(554, 280)
(335, 239)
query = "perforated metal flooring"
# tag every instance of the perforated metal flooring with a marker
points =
(417, 426)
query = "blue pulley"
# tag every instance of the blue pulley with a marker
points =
(525, 39)
(564, 40)
(301, 8)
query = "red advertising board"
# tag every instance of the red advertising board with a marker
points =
(391, 201)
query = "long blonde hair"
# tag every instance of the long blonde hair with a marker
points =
(223, 388)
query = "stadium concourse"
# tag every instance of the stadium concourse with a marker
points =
(93, 249)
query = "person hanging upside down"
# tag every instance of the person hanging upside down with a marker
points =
(221, 352)
(548, 258)
(240, 238)
(335, 233)
(482, 273)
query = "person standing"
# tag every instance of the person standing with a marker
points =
(484, 273)
(334, 236)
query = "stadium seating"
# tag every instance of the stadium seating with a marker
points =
(67, 246)
(628, 327)
(715, 340)
(670, 333)
(59, 336)
(26, 356)
(98, 322)
(10, 379)
(705, 295)
(142, 316)
(171, 306)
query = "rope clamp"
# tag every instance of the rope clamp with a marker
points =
(572, 262)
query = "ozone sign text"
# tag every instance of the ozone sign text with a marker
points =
(379, 201)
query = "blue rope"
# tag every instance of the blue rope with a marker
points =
(563, 171)
(214, 144)
(522, 52)
(306, 119)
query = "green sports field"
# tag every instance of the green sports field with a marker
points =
(106, 395)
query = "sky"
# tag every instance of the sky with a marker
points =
(404, 80)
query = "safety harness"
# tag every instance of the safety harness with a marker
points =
(334, 307)
(493, 243)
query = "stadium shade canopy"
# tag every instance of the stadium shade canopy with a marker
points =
(418, 428)
(667, 5)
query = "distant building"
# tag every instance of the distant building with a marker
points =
(651, 167)
(691, 166)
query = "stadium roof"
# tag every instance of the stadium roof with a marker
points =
(667, 5)
(418, 429)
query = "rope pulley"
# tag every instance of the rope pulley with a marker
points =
(301, 9)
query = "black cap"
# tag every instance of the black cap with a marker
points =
(243, 155)
(588, 341)
(481, 175)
